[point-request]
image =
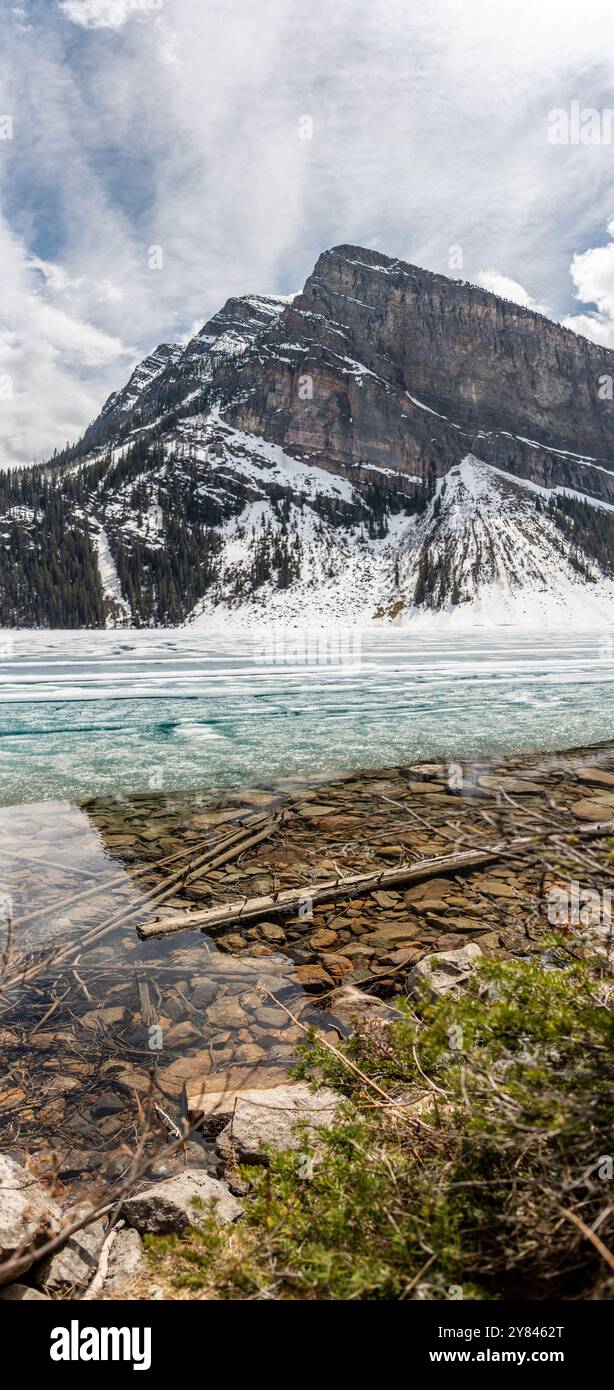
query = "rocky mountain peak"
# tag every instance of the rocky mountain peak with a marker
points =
(386, 443)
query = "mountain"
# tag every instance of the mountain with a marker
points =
(388, 444)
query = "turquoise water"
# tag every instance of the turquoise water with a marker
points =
(83, 714)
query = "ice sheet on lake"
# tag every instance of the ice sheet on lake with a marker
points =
(112, 712)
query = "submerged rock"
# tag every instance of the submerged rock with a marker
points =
(177, 1158)
(350, 1005)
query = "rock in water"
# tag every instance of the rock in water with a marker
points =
(349, 1004)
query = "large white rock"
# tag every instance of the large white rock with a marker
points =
(210, 1099)
(443, 971)
(283, 1118)
(28, 1215)
(180, 1202)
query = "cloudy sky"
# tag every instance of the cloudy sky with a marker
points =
(153, 160)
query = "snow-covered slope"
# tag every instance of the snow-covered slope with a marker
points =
(117, 609)
(485, 552)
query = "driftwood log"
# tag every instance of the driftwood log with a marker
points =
(291, 899)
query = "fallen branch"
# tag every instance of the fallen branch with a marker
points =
(22, 1258)
(196, 854)
(291, 898)
(96, 1286)
(166, 889)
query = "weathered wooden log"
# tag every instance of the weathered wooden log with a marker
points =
(289, 899)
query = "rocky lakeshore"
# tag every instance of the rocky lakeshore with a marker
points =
(150, 1013)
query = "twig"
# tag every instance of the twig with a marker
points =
(590, 1235)
(249, 908)
(97, 1283)
(402, 1110)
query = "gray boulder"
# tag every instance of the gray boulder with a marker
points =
(127, 1259)
(444, 971)
(179, 1202)
(28, 1215)
(70, 1269)
(283, 1118)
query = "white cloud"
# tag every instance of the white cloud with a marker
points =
(58, 280)
(47, 353)
(430, 128)
(107, 14)
(593, 275)
(599, 330)
(508, 289)
(592, 272)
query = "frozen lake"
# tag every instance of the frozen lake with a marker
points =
(85, 713)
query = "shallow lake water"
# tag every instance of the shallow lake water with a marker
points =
(85, 1025)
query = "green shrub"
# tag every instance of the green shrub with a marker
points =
(471, 1158)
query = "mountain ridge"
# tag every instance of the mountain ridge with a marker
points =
(293, 437)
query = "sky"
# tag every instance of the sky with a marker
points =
(157, 156)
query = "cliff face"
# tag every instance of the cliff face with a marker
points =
(382, 363)
(293, 445)
(481, 361)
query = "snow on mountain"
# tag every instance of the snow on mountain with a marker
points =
(494, 559)
(148, 371)
(117, 609)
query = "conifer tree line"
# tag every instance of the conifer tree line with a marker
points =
(49, 574)
(589, 530)
(162, 511)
